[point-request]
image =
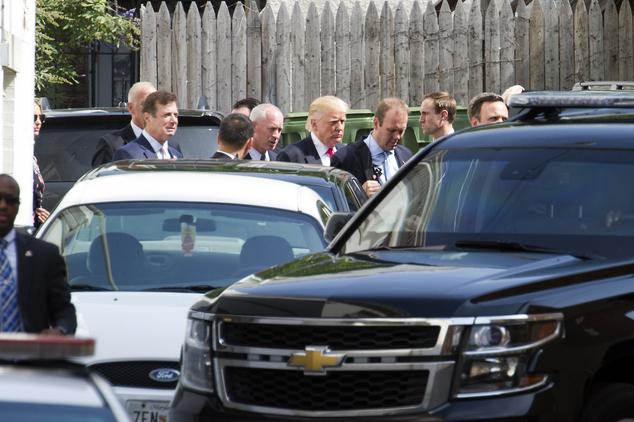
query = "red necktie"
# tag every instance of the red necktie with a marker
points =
(330, 152)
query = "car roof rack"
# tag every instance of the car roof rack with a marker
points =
(573, 99)
(603, 85)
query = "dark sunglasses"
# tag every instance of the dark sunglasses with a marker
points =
(9, 199)
(42, 117)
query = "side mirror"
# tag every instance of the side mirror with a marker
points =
(335, 223)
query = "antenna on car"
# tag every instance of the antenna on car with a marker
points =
(46, 106)
(202, 104)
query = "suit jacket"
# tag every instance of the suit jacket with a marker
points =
(108, 144)
(140, 148)
(349, 159)
(302, 151)
(272, 156)
(221, 156)
(43, 293)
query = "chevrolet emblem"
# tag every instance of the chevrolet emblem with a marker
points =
(316, 359)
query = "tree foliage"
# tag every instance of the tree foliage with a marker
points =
(64, 26)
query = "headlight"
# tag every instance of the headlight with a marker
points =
(497, 357)
(197, 371)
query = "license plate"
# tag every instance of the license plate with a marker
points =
(148, 411)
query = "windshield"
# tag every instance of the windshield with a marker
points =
(559, 198)
(162, 245)
(34, 412)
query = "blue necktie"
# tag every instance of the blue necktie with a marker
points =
(8, 293)
(386, 166)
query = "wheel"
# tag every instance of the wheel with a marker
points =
(612, 402)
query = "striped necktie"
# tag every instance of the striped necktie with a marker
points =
(8, 293)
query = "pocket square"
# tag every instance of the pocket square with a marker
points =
(28, 253)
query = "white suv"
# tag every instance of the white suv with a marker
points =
(168, 236)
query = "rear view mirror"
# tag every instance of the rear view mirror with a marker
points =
(335, 223)
(202, 224)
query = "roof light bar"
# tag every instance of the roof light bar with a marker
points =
(33, 346)
(577, 99)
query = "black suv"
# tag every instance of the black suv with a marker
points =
(490, 279)
(68, 140)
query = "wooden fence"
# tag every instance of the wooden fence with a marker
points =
(291, 59)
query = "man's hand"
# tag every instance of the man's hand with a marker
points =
(515, 89)
(371, 187)
(42, 214)
(52, 332)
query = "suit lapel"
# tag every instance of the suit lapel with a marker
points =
(312, 156)
(399, 158)
(146, 148)
(128, 134)
(25, 268)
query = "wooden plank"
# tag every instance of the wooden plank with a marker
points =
(209, 56)
(507, 45)
(522, 49)
(596, 50)
(476, 75)
(492, 49)
(254, 52)
(626, 44)
(401, 53)
(551, 45)
(566, 46)
(371, 43)
(537, 46)
(417, 56)
(461, 55)
(283, 61)
(342, 53)
(386, 54)
(298, 42)
(611, 41)
(194, 54)
(148, 70)
(179, 54)
(445, 35)
(313, 54)
(269, 56)
(223, 68)
(238, 54)
(328, 85)
(582, 61)
(432, 54)
(357, 50)
(164, 49)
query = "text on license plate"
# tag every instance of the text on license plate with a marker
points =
(148, 411)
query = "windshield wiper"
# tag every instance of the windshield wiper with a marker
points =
(196, 288)
(504, 245)
(89, 288)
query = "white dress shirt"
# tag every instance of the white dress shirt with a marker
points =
(137, 130)
(322, 150)
(157, 146)
(256, 156)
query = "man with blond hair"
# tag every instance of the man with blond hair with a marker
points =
(326, 122)
(437, 113)
(375, 158)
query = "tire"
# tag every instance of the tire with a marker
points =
(612, 402)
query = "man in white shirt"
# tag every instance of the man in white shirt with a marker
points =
(326, 122)
(437, 113)
(268, 122)
(160, 115)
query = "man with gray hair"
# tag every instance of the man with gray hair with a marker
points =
(326, 122)
(108, 144)
(268, 122)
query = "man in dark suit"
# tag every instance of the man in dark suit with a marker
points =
(108, 144)
(375, 158)
(160, 115)
(268, 122)
(36, 297)
(326, 122)
(235, 137)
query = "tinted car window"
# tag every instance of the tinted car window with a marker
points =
(160, 244)
(33, 412)
(566, 199)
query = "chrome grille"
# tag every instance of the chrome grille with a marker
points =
(336, 337)
(338, 391)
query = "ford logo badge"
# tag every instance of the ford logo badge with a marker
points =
(165, 375)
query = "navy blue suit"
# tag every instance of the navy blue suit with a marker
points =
(303, 151)
(108, 144)
(348, 158)
(140, 148)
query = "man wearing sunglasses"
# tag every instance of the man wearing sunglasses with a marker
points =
(34, 295)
